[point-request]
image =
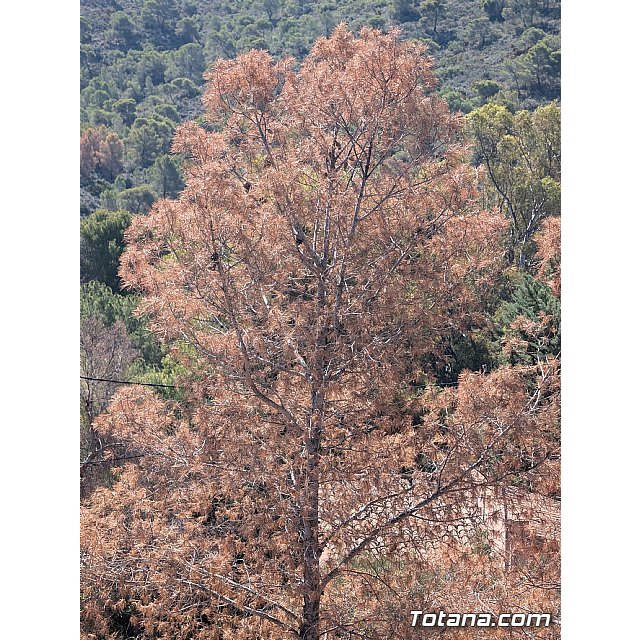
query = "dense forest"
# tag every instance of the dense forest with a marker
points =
(313, 393)
(142, 66)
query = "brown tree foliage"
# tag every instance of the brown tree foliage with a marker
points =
(101, 150)
(548, 244)
(313, 484)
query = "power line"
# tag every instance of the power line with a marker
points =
(173, 386)
(144, 384)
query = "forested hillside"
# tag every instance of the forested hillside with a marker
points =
(388, 364)
(142, 66)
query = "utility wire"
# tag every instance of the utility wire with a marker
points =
(144, 384)
(173, 386)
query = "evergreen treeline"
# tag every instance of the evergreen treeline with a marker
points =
(142, 64)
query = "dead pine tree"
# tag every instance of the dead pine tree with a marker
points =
(328, 237)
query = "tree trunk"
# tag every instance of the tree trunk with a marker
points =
(310, 628)
(312, 592)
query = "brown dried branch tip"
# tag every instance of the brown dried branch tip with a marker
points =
(328, 237)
